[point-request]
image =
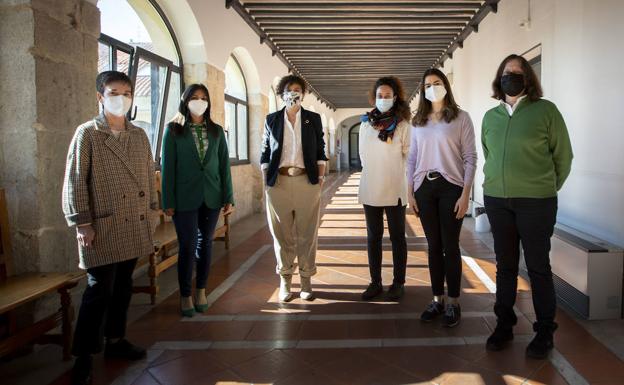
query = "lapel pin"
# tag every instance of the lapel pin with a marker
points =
(307, 121)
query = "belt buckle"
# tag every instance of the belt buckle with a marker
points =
(291, 171)
(429, 177)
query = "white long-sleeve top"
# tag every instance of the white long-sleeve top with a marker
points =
(383, 181)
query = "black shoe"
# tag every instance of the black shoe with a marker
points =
(81, 373)
(452, 315)
(542, 343)
(499, 339)
(372, 291)
(123, 349)
(433, 310)
(395, 292)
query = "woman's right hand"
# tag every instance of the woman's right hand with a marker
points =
(169, 212)
(85, 235)
(413, 205)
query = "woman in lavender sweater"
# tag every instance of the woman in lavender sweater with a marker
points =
(440, 170)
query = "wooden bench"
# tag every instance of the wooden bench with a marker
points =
(17, 290)
(166, 240)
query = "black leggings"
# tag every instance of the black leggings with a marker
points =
(436, 203)
(375, 229)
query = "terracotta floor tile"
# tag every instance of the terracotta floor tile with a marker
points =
(226, 330)
(327, 330)
(511, 361)
(192, 366)
(546, 375)
(271, 330)
(270, 367)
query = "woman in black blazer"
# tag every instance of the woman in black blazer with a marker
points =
(293, 164)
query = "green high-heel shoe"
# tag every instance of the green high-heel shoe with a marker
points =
(188, 312)
(200, 308)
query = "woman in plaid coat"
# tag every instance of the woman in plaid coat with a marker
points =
(108, 194)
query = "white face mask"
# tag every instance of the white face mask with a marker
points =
(291, 99)
(198, 107)
(384, 105)
(118, 105)
(435, 93)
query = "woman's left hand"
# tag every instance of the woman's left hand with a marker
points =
(227, 208)
(461, 206)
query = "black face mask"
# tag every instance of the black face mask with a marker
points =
(512, 84)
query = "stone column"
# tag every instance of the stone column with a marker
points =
(47, 72)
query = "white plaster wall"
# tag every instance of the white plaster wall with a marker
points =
(581, 73)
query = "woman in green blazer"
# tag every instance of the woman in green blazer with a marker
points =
(196, 185)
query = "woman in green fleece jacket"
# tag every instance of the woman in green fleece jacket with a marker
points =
(196, 185)
(527, 159)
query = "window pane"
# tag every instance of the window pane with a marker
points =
(148, 98)
(123, 61)
(137, 23)
(230, 127)
(104, 57)
(235, 81)
(242, 132)
(174, 97)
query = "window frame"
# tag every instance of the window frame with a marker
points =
(134, 52)
(236, 101)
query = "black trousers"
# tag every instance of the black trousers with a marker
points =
(436, 201)
(104, 308)
(375, 228)
(529, 221)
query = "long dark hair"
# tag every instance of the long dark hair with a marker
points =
(532, 86)
(401, 108)
(450, 110)
(178, 124)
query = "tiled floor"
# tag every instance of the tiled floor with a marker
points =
(247, 336)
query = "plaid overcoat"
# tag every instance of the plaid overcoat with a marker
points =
(109, 182)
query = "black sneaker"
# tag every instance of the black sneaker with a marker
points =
(542, 343)
(433, 310)
(452, 315)
(123, 349)
(499, 339)
(395, 292)
(372, 291)
(81, 373)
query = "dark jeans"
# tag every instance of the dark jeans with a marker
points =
(530, 221)
(436, 201)
(104, 307)
(195, 231)
(375, 228)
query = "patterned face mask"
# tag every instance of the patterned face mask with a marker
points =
(291, 99)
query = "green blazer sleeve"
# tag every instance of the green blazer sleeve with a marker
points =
(560, 147)
(224, 169)
(169, 160)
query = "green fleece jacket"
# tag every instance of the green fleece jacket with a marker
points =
(528, 154)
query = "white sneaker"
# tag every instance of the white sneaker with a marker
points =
(284, 291)
(306, 289)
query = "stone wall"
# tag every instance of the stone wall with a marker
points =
(48, 89)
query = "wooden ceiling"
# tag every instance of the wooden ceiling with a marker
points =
(341, 47)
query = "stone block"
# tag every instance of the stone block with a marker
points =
(90, 20)
(49, 32)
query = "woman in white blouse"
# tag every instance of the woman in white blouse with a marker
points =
(384, 145)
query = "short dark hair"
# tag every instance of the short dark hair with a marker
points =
(451, 109)
(532, 86)
(287, 80)
(401, 108)
(108, 77)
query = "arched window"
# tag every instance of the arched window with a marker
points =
(137, 39)
(272, 100)
(236, 116)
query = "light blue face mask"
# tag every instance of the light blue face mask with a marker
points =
(384, 105)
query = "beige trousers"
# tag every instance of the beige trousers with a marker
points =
(293, 209)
